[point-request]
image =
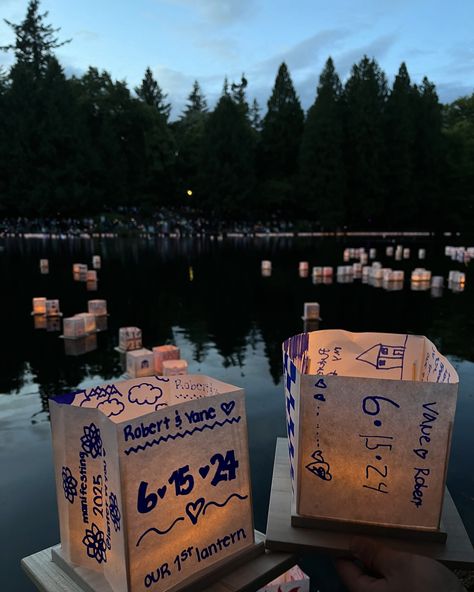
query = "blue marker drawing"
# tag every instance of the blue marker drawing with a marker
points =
(194, 509)
(145, 393)
(69, 485)
(155, 442)
(95, 544)
(237, 495)
(114, 512)
(92, 441)
(158, 531)
(383, 357)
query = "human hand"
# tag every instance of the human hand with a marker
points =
(388, 570)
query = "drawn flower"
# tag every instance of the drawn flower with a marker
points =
(95, 543)
(91, 441)
(69, 485)
(114, 511)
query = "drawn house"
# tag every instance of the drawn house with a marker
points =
(383, 357)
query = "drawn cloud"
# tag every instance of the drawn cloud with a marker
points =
(111, 407)
(144, 394)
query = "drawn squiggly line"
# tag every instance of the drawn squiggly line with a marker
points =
(152, 529)
(181, 434)
(241, 497)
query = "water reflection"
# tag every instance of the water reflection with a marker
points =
(227, 307)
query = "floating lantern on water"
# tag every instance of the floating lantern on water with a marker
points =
(74, 327)
(175, 367)
(130, 338)
(140, 363)
(97, 307)
(91, 275)
(378, 390)
(420, 286)
(162, 353)
(398, 275)
(89, 319)
(377, 273)
(266, 264)
(366, 273)
(448, 250)
(44, 266)
(91, 286)
(421, 253)
(357, 269)
(420, 274)
(52, 308)
(96, 262)
(372, 253)
(39, 306)
(437, 281)
(389, 251)
(364, 258)
(266, 273)
(327, 271)
(436, 291)
(317, 272)
(79, 272)
(406, 253)
(303, 265)
(457, 277)
(167, 472)
(82, 345)
(346, 255)
(311, 311)
(293, 580)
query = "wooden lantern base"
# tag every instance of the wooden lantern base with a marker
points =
(282, 535)
(249, 570)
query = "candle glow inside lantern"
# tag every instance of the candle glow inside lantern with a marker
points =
(175, 367)
(311, 311)
(384, 407)
(91, 275)
(52, 308)
(97, 307)
(162, 353)
(39, 306)
(130, 338)
(152, 480)
(89, 321)
(140, 362)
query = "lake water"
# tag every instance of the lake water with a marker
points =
(208, 297)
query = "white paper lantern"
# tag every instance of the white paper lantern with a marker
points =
(96, 262)
(266, 273)
(293, 580)
(303, 266)
(91, 286)
(346, 255)
(327, 271)
(421, 253)
(175, 367)
(311, 311)
(79, 268)
(89, 320)
(389, 251)
(406, 253)
(97, 307)
(39, 306)
(130, 338)
(372, 253)
(52, 308)
(92, 275)
(266, 264)
(317, 272)
(44, 266)
(437, 281)
(152, 479)
(74, 327)
(140, 363)
(364, 258)
(388, 399)
(162, 353)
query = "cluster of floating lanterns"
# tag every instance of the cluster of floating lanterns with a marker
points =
(384, 277)
(164, 360)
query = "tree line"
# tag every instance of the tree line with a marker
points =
(365, 155)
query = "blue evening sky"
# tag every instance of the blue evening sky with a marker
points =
(184, 40)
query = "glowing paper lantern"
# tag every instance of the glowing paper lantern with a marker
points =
(97, 307)
(389, 251)
(162, 353)
(372, 253)
(89, 321)
(311, 311)
(293, 580)
(40, 321)
(96, 262)
(39, 306)
(406, 253)
(130, 338)
(303, 266)
(437, 281)
(140, 363)
(44, 266)
(389, 400)
(52, 308)
(266, 265)
(152, 480)
(421, 253)
(74, 327)
(327, 271)
(175, 367)
(91, 275)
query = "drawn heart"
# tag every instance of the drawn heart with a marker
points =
(203, 471)
(161, 491)
(321, 384)
(194, 509)
(227, 408)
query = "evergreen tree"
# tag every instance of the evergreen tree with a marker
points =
(364, 96)
(400, 145)
(429, 161)
(196, 102)
(34, 40)
(150, 93)
(238, 94)
(282, 129)
(322, 174)
(227, 168)
(255, 117)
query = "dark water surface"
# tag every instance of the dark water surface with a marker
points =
(210, 299)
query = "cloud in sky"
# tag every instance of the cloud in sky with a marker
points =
(220, 12)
